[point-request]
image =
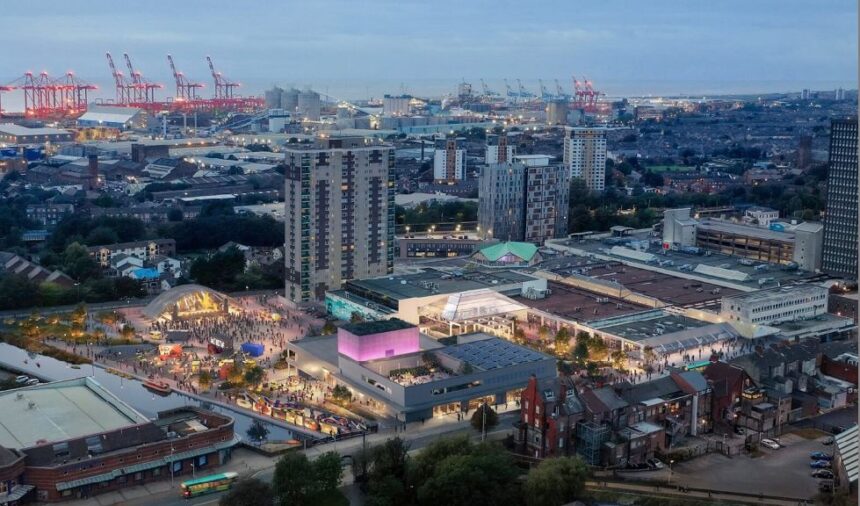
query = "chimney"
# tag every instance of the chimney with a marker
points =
(93, 169)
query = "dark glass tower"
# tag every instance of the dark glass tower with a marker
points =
(840, 250)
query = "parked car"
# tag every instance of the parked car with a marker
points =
(827, 442)
(770, 443)
(820, 464)
(22, 379)
(822, 473)
(32, 381)
(820, 456)
(655, 464)
(740, 431)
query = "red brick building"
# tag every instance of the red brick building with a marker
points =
(549, 413)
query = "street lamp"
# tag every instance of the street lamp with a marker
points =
(670, 470)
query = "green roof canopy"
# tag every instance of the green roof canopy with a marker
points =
(524, 250)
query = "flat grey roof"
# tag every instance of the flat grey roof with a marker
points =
(752, 231)
(641, 326)
(493, 353)
(771, 293)
(60, 411)
(434, 282)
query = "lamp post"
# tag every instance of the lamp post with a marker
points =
(670, 470)
(172, 449)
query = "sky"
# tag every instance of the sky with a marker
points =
(355, 48)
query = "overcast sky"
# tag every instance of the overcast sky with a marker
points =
(627, 46)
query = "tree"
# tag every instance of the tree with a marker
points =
(328, 328)
(128, 331)
(78, 263)
(597, 348)
(555, 482)
(254, 375)
(580, 350)
(470, 475)
(341, 395)
(388, 465)
(248, 492)
(204, 379)
(299, 482)
(257, 431)
(480, 423)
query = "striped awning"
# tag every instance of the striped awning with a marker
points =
(151, 464)
(846, 443)
(16, 494)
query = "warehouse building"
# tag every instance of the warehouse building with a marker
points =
(17, 134)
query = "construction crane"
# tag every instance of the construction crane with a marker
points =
(143, 91)
(223, 86)
(123, 88)
(185, 90)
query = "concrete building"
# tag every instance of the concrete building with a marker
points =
(524, 203)
(556, 112)
(796, 246)
(308, 105)
(679, 228)
(761, 216)
(339, 214)
(79, 440)
(11, 133)
(767, 307)
(449, 160)
(840, 248)
(396, 105)
(585, 155)
(498, 150)
(411, 377)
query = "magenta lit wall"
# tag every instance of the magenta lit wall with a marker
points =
(373, 346)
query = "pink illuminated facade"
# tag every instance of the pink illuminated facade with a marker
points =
(357, 343)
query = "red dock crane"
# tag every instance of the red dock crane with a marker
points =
(186, 90)
(123, 87)
(223, 85)
(143, 90)
(70, 94)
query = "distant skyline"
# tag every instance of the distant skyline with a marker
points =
(355, 49)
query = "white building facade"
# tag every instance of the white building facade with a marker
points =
(585, 155)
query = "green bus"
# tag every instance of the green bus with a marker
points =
(695, 366)
(208, 484)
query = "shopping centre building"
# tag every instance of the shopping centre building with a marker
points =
(74, 439)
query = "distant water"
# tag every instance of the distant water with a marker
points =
(360, 89)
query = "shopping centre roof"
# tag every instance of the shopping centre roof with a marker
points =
(493, 353)
(60, 411)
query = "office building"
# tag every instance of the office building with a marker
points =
(79, 440)
(839, 256)
(767, 307)
(523, 203)
(585, 155)
(339, 214)
(449, 160)
(498, 150)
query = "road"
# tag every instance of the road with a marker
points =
(417, 441)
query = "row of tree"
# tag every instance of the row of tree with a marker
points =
(453, 471)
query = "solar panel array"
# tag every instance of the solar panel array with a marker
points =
(493, 354)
